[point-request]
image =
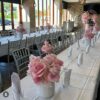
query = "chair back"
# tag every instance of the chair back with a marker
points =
(21, 59)
(29, 41)
(13, 45)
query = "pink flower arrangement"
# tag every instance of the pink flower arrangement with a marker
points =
(47, 47)
(89, 35)
(96, 25)
(95, 18)
(20, 29)
(85, 17)
(46, 69)
(89, 32)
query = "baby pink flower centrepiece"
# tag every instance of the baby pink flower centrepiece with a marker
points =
(47, 47)
(46, 69)
(85, 17)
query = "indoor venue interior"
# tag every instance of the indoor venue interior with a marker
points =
(49, 49)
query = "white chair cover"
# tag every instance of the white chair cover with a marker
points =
(87, 49)
(98, 35)
(80, 59)
(93, 42)
(69, 53)
(65, 77)
(78, 44)
(16, 88)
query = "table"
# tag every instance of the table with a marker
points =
(84, 78)
(4, 40)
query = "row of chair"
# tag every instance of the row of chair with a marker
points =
(20, 50)
(59, 40)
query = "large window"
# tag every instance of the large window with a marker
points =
(16, 15)
(36, 13)
(51, 12)
(48, 11)
(10, 15)
(40, 12)
(7, 15)
(44, 12)
(64, 15)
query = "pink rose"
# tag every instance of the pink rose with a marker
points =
(37, 79)
(35, 59)
(58, 62)
(53, 78)
(54, 70)
(46, 69)
(89, 35)
(50, 58)
(47, 48)
(38, 69)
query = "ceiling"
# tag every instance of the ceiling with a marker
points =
(87, 1)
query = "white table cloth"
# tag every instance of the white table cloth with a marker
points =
(83, 78)
(4, 40)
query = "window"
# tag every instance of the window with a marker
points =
(51, 12)
(48, 11)
(64, 15)
(36, 13)
(40, 12)
(45, 14)
(10, 15)
(7, 15)
(16, 15)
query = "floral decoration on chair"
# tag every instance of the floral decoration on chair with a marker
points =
(90, 23)
(47, 47)
(46, 69)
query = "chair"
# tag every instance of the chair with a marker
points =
(39, 44)
(29, 42)
(6, 70)
(13, 45)
(55, 43)
(21, 59)
(16, 88)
